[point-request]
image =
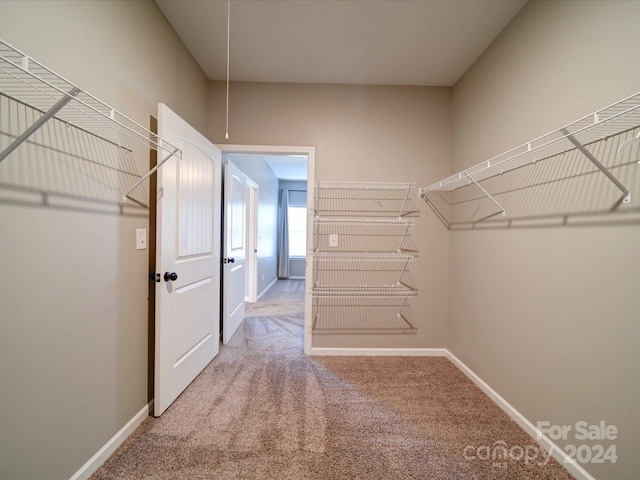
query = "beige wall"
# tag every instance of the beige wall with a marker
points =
(549, 316)
(73, 335)
(361, 133)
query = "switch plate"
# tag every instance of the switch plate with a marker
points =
(141, 238)
(333, 239)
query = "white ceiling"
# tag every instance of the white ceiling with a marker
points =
(377, 42)
(285, 167)
(288, 167)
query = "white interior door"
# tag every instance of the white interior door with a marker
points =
(251, 283)
(234, 249)
(187, 260)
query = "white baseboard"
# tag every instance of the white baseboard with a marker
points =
(407, 352)
(556, 452)
(99, 458)
(267, 288)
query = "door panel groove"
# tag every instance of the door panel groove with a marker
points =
(188, 232)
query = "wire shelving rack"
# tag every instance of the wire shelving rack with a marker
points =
(361, 255)
(583, 139)
(29, 82)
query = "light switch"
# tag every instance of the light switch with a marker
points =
(141, 239)
(333, 239)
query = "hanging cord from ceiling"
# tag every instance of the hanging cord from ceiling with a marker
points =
(226, 134)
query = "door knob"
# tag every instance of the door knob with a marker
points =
(228, 260)
(173, 276)
(231, 260)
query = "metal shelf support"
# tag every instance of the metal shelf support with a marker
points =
(126, 197)
(628, 143)
(39, 123)
(626, 195)
(488, 195)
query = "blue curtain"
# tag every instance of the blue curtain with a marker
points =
(283, 235)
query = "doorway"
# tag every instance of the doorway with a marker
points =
(266, 261)
(309, 152)
(251, 278)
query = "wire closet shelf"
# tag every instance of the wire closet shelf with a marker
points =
(362, 275)
(361, 255)
(364, 199)
(27, 81)
(368, 236)
(614, 120)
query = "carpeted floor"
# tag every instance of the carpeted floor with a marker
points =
(263, 410)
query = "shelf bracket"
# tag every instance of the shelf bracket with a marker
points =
(627, 143)
(404, 202)
(404, 236)
(39, 123)
(626, 198)
(404, 269)
(488, 195)
(400, 315)
(126, 197)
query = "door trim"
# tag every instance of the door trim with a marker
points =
(251, 260)
(310, 152)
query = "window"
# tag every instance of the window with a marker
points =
(297, 219)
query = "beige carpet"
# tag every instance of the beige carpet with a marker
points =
(264, 410)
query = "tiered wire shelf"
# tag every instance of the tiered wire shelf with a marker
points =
(362, 272)
(362, 251)
(362, 315)
(588, 166)
(363, 235)
(29, 86)
(364, 199)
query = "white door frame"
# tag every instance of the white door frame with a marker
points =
(234, 248)
(310, 152)
(251, 260)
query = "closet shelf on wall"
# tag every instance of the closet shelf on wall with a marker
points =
(351, 271)
(585, 138)
(367, 199)
(339, 235)
(24, 80)
(363, 291)
(362, 250)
